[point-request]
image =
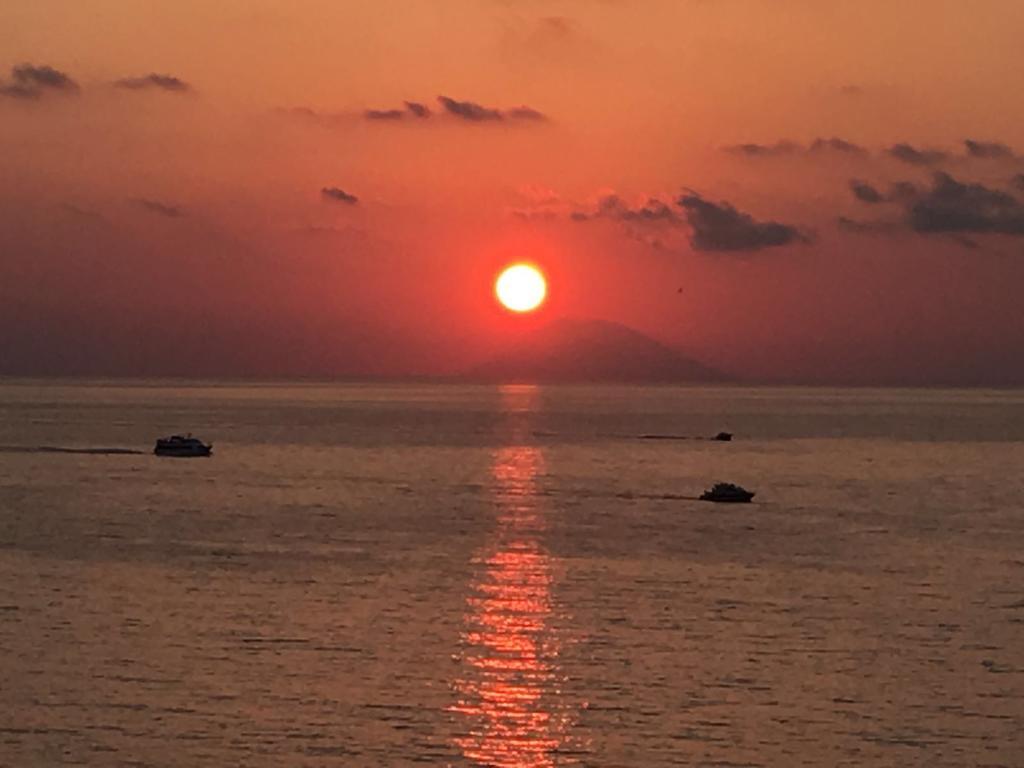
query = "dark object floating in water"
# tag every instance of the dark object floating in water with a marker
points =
(727, 493)
(721, 436)
(182, 446)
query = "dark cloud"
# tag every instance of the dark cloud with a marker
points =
(955, 207)
(468, 110)
(948, 206)
(908, 154)
(153, 80)
(612, 206)
(338, 195)
(784, 148)
(29, 81)
(988, 149)
(417, 109)
(383, 114)
(525, 113)
(161, 209)
(313, 117)
(764, 150)
(476, 113)
(835, 144)
(865, 192)
(414, 108)
(1017, 182)
(720, 227)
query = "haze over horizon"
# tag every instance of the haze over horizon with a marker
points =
(828, 193)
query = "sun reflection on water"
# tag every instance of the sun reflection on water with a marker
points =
(510, 701)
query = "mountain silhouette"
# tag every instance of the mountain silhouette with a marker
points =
(590, 351)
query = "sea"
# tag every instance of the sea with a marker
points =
(515, 576)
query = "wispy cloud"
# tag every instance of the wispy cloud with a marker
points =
(865, 192)
(153, 81)
(338, 195)
(472, 112)
(786, 148)
(611, 206)
(384, 114)
(988, 149)
(913, 156)
(417, 109)
(468, 110)
(159, 208)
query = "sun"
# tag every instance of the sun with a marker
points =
(521, 288)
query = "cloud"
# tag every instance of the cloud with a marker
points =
(901, 191)
(836, 144)
(338, 195)
(525, 113)
(161, 209)
(865, 192)
(764, 150)
(908, 154)
(952, 206)
(785, 148)
(988, 149)
(413, 108)
(720, 227)
(611, 206)
(383, 114)
(1017, 182)
(468, 110)
(153, 80)
(29, 81)
(476, 113)
(534, 214)
(851, 90)
(417, 109)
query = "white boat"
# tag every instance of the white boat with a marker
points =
(183, 446)
(727, 493)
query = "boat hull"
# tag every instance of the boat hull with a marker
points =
(184, 453)
(737, 499)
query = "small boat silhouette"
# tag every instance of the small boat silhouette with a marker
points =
(727, 493)
(182, 446)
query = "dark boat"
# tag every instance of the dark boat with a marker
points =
(723, 437)
(182, 446)
(727, 493)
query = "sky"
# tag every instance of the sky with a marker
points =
(785, 190)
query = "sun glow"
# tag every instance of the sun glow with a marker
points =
(521, 288)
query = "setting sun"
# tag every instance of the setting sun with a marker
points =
(521, 288)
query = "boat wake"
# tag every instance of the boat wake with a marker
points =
(59, 449)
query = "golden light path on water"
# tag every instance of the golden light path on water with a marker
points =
(509, 686)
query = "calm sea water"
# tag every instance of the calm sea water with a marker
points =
(510, 576)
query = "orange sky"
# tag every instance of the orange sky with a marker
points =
(154, 226)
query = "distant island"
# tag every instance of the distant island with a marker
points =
(571, 350)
